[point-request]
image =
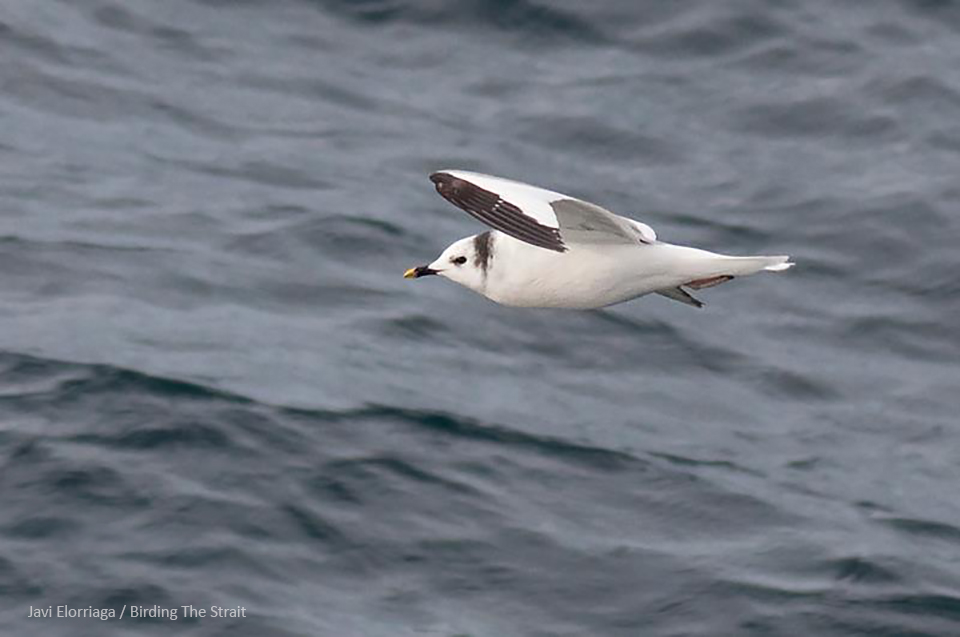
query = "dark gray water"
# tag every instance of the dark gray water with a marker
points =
(216, 388)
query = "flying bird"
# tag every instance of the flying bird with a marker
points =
(547, 249)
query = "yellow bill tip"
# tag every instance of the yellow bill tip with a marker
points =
(410, 274)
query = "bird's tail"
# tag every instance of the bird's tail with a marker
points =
(742, 266)
(723, 268)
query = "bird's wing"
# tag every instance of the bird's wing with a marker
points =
(679, 294)
(539, 217)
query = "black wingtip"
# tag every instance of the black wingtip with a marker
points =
(447, 185)
(441, 178)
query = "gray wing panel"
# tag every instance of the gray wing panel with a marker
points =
(582, 222)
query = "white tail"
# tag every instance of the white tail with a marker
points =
(710, 269)
(743, 266)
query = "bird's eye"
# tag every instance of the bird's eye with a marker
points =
(460, 260)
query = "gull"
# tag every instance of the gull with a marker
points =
(549, 250)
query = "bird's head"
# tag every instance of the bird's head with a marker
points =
(465, 262)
